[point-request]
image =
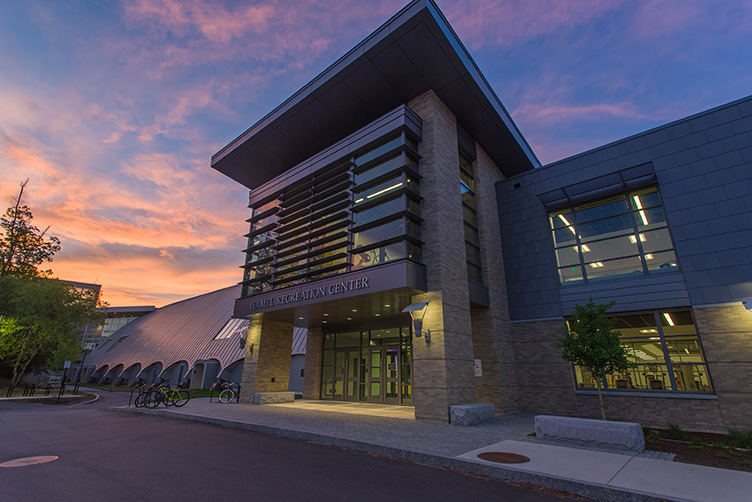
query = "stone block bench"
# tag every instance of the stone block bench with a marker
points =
(618, 437)
(471, 414)
(273, 397)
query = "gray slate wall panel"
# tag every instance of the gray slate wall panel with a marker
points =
(703, 167)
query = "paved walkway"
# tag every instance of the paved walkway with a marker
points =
(392, 431)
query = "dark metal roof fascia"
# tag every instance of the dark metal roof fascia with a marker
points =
(249, 158)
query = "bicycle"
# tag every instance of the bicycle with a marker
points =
(230, 391)
(163, 393)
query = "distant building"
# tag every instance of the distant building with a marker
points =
(116, 318)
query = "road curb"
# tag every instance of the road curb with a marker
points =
(592, 491)
(96, 398)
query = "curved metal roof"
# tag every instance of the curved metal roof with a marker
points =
(182, 331)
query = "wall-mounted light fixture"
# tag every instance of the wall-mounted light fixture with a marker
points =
(747, 304)
(417, 312)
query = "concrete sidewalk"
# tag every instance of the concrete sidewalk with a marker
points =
(391, 431)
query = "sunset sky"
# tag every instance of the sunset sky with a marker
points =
(114, 108)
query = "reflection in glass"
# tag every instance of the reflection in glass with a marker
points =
(384, 188)
(381, 211)
(612, 235)
(377, 255)
(379, 169)
(602, 209)
(380, 233)
(691, 377)
(608, 269)
(569, 275)
(379, 150)
(609, 248)
(661, 262)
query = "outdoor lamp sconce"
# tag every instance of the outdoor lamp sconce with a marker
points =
(417, 312)
(747, 304)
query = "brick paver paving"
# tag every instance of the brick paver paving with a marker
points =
(382, 430)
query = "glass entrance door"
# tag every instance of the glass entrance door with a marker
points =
(368, 366)
(346, 375)
(383, 375)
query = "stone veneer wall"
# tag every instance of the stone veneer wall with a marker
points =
(726, 337)
(267, 369)
(492, 335)
(547, 384)
(443, 372)
(312, 374)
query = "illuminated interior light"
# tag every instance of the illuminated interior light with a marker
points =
(585, 248)
(648, 331)
(686, 350)
(637, 201)
(349, 318)
(670, 321)
(383, 191)
(649, 256)
(654, 338)
(377, 315)
(566, 222)
(359, 200)
(644, 217)
(597, 264)
(633, 238)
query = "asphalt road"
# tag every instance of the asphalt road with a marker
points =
(105, 456)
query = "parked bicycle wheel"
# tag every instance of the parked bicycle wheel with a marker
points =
(180, 397)
(226, 396)
(153, 399)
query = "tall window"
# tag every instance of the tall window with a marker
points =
(666, 351)
(470, 217)
(355, 213)
(624, 235)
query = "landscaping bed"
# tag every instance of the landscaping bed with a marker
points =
(702, 448)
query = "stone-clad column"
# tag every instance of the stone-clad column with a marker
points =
(442, 370)
(492, 335)
(312, 374)
(267, 367)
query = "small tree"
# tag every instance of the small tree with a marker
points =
(22, 245)
(590, 342)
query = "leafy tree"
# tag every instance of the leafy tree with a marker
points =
(22, 245)
(40, 318)
(41, 322)
(590, 342)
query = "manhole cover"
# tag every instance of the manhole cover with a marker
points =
(23, 462)
(501, 457)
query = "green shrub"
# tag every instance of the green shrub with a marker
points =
(675, 432)
(651, 435)
(722, 454)
(741, 438)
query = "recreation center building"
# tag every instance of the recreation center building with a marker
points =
(399, 215)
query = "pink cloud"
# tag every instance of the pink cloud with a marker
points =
(505, 23)
(570, 113)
